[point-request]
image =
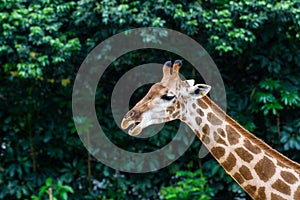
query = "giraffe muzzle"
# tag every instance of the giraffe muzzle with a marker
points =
(134, 129)
(132, 119)
(130, 115)
(126, 123)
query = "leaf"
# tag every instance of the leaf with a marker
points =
(68, 189)
(269, 84)
(43, 190)
(49, 182)
(64, 196)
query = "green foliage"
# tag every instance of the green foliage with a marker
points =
(191, 185)
(273, 96)
(34, 36)
(255, 44)
(290, 136)
(56, 191)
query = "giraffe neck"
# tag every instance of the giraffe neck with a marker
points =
(260, 170)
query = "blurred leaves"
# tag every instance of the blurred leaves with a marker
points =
(34, 34)
(290, 136)
(190, 185)
(55, 190)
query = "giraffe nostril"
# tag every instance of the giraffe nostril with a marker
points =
(130, 114)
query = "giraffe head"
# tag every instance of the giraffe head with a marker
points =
(165, 101)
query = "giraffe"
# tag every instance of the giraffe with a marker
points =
(260, 170)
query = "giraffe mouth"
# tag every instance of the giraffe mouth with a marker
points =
(131, 130)
(134, 126)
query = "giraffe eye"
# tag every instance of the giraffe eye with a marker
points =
(167, 97)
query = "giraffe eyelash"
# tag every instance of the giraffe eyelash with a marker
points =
(167, 97)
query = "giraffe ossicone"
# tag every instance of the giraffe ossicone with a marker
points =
(260, 170)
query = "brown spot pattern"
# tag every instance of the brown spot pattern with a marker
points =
(216, 136)
(245, 172)
(288, 177)
(251, 189)
(205, 129)
(280, 164)
(202, 104)
(175, 114)
(254, 149)
(297, 193)
(282, 187)
(238, 178)
(200, 112)
(261, 193)
(194, 105)
(170, 109)
(177, 105)
(218, 139)
(198, 120)
(206, 139)
(243, 154)
(218, 152)
(265, 169)
(213, 119)
(221, 141)
(229, 163)
(183, 105)
(232, 135)
(276, 197)
(221, 132)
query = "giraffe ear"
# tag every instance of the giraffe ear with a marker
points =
(190, 82)
(199, 90)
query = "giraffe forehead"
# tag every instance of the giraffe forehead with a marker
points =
(157, 90)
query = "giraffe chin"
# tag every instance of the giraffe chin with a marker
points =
(126, 123)
(135, 129)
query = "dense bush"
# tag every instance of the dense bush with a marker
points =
(189, 185)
